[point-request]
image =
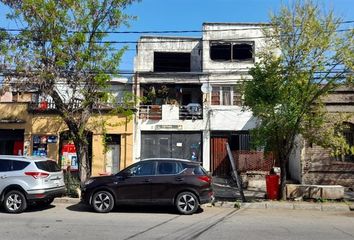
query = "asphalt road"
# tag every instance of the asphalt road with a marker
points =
(63, 221)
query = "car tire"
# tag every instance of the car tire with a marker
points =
(15, 202)
(102, 202)
(187, 203)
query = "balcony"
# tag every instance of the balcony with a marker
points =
(48, 106)
(152, 112)
(192, 111)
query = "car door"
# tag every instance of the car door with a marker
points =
(134, 183)
(167, 180)
(5, 173)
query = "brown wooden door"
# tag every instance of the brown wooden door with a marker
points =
(220, 164)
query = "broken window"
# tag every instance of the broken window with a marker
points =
(231, 51)
(172, 62)
(242, 52)
(220, 51)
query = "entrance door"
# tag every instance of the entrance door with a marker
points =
(113, 159)
(11, 141)
(220, 164)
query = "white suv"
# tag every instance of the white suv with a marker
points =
(26, 180)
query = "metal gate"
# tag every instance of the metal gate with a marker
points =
(185, 145)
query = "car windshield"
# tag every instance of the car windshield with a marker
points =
(48, 166)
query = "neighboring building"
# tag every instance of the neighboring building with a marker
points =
(29, 125)
(193, 105)
(312, 164)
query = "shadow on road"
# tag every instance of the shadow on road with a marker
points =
(131, 209)
(33, 208)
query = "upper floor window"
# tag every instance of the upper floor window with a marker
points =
(226, 95)
(172, 62)
(232, 51)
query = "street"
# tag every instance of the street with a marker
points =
(65, 221)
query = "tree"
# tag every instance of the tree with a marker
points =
(61, 51)
(307, 55)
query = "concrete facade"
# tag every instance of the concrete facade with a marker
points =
(204, 76)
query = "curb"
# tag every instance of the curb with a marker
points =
(286, 205)
(66, 200)
(254, 205)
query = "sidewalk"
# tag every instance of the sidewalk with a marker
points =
(227, 195)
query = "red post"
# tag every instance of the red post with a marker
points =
(272, 183)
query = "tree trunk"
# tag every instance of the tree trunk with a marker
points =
(283, 177)
(83, 159)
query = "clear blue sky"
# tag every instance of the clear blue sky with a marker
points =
(157, 15)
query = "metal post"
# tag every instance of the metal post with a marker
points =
(234, 170)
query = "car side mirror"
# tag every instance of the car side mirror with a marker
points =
(124, 175)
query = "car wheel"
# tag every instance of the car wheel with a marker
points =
(15, 202)
(187, 203)
(102, 202)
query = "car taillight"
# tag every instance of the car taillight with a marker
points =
(205, 179)
(37, 175)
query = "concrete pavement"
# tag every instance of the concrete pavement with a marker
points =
(66, 221)
(227, 195)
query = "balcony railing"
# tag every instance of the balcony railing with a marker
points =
(192, 111)
(49, 106)
(153, 112)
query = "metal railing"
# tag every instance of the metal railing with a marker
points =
(49, 105)
(253, 160)
(192, 111)
(153, 112)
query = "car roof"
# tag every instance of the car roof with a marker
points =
(19, 157)
(171, 159)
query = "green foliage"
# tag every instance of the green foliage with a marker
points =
(72, 184)
(306, 57)
(63, 52)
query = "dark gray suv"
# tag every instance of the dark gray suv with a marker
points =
(25, 180)
(162, 181)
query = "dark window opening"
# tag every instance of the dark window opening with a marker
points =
(172, 62)
(220, 51)
(231, 51)
(241, 141)
(113, 139)
(242, 52)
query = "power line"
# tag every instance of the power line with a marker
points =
(178, 39)
(171, 31)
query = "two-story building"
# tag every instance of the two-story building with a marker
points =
(191, 97)
(30, 125)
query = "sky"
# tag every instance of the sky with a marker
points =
(159, 15)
